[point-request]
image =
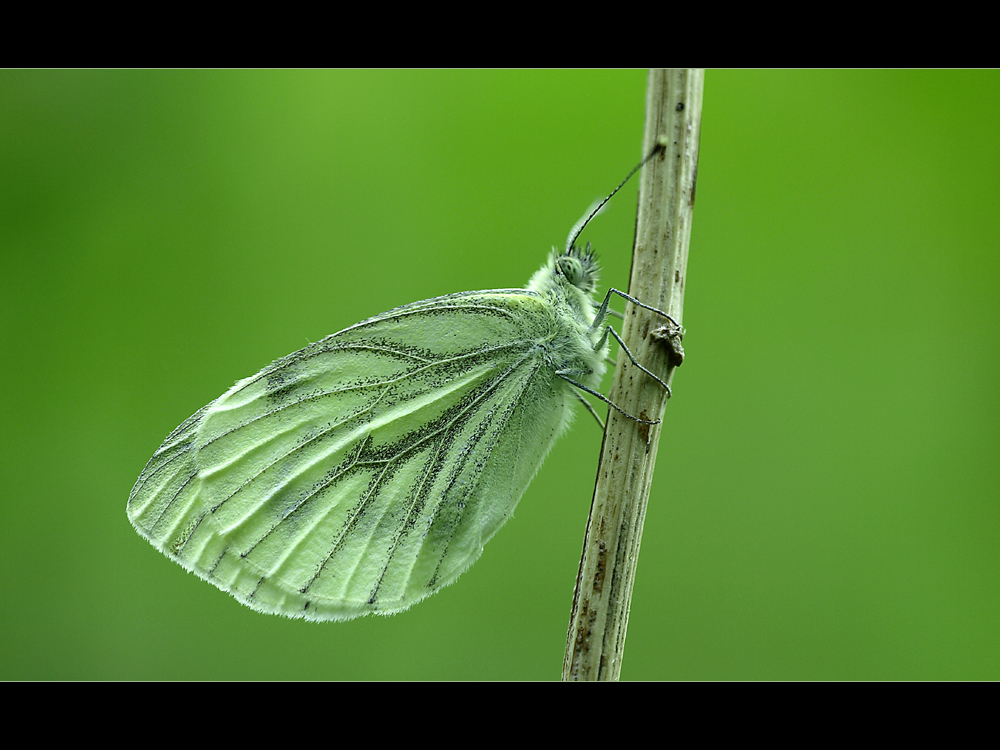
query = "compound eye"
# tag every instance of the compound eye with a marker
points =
(572, 269)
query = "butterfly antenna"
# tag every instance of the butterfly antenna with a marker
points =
(574, 233)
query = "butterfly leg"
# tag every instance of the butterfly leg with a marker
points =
(591, 391)
(625, 349)
(613, 313)
(603, 312)
(591, 409)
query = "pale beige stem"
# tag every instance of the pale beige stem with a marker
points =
(598, 622)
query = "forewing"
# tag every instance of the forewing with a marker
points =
(364, 472)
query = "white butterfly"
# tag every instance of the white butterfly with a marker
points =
(365, 472)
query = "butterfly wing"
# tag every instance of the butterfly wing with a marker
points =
(366, 471)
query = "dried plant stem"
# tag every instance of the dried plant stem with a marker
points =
(599, 619)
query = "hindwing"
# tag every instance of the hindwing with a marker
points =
(364, 472)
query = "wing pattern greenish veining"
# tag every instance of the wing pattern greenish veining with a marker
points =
(367, 470)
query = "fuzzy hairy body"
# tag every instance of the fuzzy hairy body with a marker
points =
(365, 472)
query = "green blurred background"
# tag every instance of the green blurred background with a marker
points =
(825, 505)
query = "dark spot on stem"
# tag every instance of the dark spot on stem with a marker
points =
(602, 554)
(644, 428)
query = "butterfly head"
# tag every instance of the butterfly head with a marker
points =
(578, 267)
(570, 276)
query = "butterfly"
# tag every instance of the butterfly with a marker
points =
(366, 471)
